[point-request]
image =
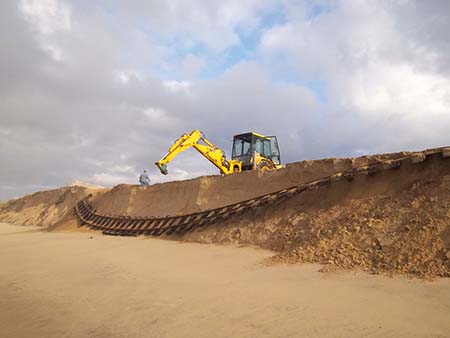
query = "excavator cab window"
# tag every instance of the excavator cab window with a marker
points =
(242, 146)
(246, 148)
(237, 148)
(266, 151)
(274, 150)
(259, 146)
(262, 146)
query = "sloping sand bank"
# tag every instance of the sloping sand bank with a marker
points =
(394, 221)
(208, 192)
(45, 208)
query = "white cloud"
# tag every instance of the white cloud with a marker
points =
(158, 118)
(376, 66)
(124, 76)
(386, 88)
(47, 16)
(124, 169)
(155, 114)
(108, 179)
(178, 86)
(55, 52)
(211, 23)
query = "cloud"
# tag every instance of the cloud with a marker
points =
(191, 65)
(97, 92)
(212, 24)
(47, 16)
(384, 71)
(107, 179)
(177, 86)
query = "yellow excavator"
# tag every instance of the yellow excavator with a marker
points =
(251, 151)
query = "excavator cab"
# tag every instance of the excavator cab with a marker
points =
(256, 151)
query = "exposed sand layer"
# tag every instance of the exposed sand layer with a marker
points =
(44, 208)
(208, 192)
(392, 222)
(68, 285)
(47, 208)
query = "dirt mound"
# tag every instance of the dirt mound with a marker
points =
(44, 208)
(208, 192)
(407, 232)
(173, 198)
(394, 222)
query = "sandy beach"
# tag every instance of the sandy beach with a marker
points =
(70, 284)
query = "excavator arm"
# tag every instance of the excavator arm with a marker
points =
(196, 140)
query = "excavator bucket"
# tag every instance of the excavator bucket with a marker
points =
(162, 168)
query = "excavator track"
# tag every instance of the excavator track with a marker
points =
(122, 225)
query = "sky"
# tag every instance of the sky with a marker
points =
(97, 91)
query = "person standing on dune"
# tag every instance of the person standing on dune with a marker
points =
(144, 179)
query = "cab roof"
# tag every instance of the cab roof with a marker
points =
(251, 133)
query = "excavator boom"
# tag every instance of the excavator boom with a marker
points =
(196, 140)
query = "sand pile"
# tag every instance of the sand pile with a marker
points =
(44, 208)
(209, 192)
(395, 222)
(408, 232)
(173, 198)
